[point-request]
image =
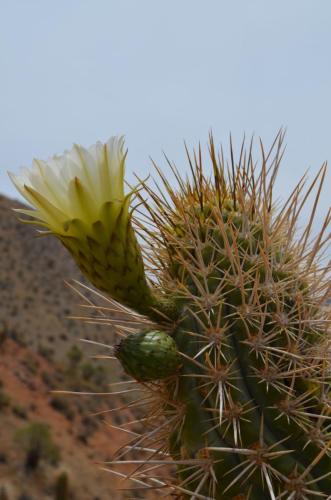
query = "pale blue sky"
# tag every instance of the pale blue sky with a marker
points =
(161, 72)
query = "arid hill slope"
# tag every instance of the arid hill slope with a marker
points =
(36, 357)
(35, 302)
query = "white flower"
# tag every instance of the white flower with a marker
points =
(79, 197)
(74, 186)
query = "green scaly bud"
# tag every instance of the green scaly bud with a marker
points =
(148, 355)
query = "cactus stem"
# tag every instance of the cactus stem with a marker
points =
(231, 346)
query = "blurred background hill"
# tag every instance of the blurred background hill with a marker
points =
(40, 352)
(35, 302)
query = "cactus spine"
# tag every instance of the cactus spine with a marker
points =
(246, 415)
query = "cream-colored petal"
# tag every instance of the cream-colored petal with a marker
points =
(116, 163)
(81, 203)
(76, 184)
(51, 214)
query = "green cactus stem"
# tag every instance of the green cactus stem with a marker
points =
(251, 406)
(236, 378)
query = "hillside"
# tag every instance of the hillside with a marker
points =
(35, 303)
(40, 352)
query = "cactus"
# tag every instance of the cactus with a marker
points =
(61, 489)
(238, 399)
(3, 493)
(36, 441)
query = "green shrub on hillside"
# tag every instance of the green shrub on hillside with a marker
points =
(37, 444)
